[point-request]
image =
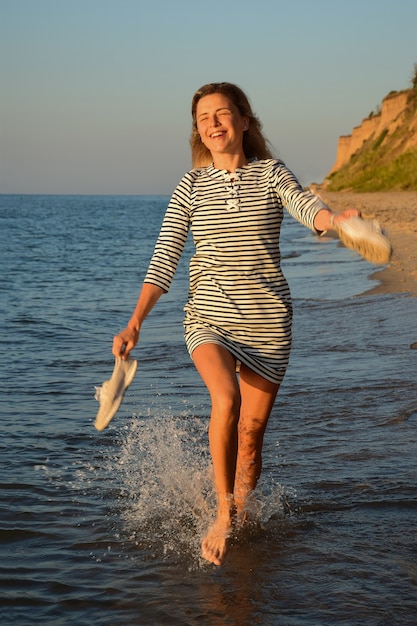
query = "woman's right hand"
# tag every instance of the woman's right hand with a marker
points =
(124, 342)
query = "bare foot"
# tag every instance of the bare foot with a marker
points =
(215, 544)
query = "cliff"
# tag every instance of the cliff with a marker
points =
(381, 153)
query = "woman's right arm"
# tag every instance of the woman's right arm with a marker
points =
(162, 267)
(124, 342)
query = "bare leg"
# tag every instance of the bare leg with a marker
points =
(258, 396)
(217, 368)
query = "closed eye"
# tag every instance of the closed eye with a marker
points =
(204, 116)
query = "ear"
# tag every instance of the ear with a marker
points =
(245, 124)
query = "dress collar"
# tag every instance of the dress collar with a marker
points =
(225, 174)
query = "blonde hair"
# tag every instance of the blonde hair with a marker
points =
(255, 145)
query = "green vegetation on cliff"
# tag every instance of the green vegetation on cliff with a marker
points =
(368, 172)
(385, 162)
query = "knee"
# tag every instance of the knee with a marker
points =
(227, 405)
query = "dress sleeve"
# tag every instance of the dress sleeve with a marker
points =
(300, 203)
(172, 237)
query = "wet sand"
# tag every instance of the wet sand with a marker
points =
(397, 214)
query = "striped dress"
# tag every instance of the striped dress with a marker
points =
(238, 295)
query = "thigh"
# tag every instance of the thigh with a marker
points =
(217, 368)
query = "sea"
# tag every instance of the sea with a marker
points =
(104, 528)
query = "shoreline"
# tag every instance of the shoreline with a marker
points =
(396, 211)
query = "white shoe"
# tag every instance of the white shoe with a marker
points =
(110, 395)
(366, 237)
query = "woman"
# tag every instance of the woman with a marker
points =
(238, 313)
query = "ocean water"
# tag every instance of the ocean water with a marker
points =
(105, 528)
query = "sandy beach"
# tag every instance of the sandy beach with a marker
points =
(397, 214)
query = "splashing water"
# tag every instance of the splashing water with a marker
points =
(168, 496)
(167, 478)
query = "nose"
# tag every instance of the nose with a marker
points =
(214, 120)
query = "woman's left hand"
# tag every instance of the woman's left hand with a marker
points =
(325, 218)
(345, 215)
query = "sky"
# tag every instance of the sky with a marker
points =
(95, 94)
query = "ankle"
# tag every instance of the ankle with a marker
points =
(226, 507)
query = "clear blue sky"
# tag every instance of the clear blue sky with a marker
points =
(95, 94)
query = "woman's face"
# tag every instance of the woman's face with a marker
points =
(220, 124)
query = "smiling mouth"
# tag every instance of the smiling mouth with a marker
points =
(217, 134)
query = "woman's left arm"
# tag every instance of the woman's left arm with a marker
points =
(325, 219)
(303, 205)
